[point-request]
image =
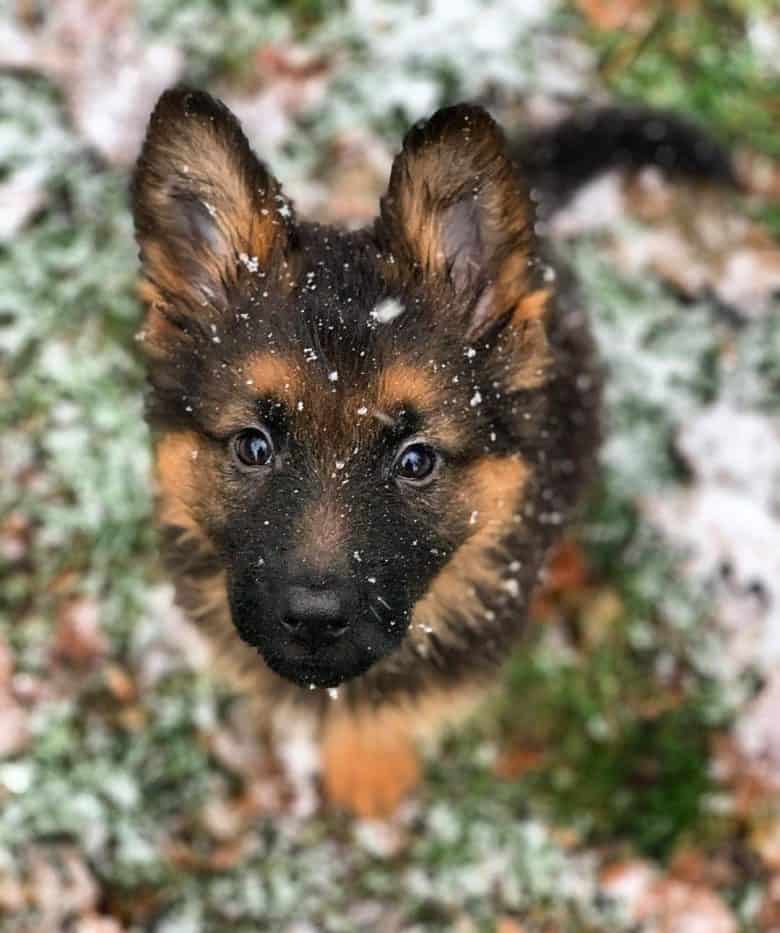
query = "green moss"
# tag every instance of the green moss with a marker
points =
(769, 214)
(220, 37)
(608, 770)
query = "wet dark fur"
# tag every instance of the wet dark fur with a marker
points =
(474, 294)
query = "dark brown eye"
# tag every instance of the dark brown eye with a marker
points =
(416, 463)
(253, 447)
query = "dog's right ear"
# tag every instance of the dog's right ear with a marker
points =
(205, 209)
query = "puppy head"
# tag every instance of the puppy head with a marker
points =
(340, 418)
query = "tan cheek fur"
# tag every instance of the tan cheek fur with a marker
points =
(492, 495)
(179, 462)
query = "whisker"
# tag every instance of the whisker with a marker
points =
(379, 618)
(384, 602)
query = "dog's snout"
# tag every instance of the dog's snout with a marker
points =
(315, 616)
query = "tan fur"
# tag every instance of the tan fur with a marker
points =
(244, 219)
(176, 459)
(524, 343)
(401, 384)
(531, 307)
(167, 277)
(493, 487)
(369, 763)
(493, 492)
(457, 204)
(404, 384)
(423, 229)
(268, 375)
(207, 213)
(529, 362)
(261, 375)
(370, 759)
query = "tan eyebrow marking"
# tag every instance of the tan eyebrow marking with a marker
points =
(269, 374)
(401, 383)
(259, 375)
(405, 384)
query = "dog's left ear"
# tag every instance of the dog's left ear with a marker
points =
(205, 207)
(457, 212)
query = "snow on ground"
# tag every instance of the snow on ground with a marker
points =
(728, 524)
(133, 793)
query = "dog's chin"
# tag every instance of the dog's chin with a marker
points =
(328, 667)
(312, 673)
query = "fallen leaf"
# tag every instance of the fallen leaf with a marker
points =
(120, 683)
(632, 15)
(284, 82)
(509, 925)
(757, 731)
(665, 905)
(516, 761)
(6, 664)
(94, 923)
(78, 636)
(60, 885)
(750, 786)
(693, 238)
(14, 726)
(769, 913)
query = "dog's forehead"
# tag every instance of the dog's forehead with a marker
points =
(337, 405)
(344, 353)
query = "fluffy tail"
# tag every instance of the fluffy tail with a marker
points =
(562, 158)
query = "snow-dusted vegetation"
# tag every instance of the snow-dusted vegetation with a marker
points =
(628, 774)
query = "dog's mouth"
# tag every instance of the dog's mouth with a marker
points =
(313, 672)
(324, 665)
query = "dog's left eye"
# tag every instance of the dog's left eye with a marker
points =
(253, 447)
(416, 463)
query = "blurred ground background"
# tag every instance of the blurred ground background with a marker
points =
(629, 776)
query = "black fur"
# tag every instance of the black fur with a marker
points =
(559, 159)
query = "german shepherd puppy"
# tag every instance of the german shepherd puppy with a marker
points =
(366, 441)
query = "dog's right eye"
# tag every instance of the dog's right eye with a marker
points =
(253, 448)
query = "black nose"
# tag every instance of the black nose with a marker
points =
(315, 617)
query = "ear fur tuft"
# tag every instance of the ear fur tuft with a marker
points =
(201, 199)
(456, 211)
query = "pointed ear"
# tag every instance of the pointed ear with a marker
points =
(457, 212)
(205, 208)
